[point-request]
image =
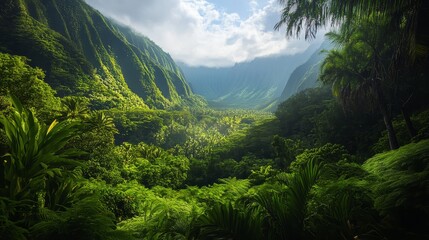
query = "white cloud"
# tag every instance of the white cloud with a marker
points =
(197, 33)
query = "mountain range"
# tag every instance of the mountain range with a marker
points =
(257, 84)
(84, 53)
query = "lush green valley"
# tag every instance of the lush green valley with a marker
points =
(102, 138)
(250, 85)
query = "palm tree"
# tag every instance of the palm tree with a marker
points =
(102, 122)
(74, 108)
(407, 16)
(360, 70)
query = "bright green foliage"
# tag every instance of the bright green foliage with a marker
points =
(35, 152)
(26, 83)
(149, 214)
(100, 121)
(74, 108)
(251, 175)
(297, 197)
(84, 53)
(153, 166)
(40, 179)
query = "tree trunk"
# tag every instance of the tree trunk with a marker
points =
(411, 130)
(406, 114)
(393, 141)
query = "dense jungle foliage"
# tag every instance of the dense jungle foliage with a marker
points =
(348, 160)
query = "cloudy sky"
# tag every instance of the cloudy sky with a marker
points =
(210, 33)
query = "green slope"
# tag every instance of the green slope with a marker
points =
(84, 53)
(306, 75)
(249, 85)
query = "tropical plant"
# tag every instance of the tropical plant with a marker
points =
(10, 228)
(405, 16)
(74, 108)
(361, 70)
(270, 214)
(86, 219)
(402, 32)
(100, 121)
(228, 222)
(35, 152)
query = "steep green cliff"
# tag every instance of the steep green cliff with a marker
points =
(306, 75)
(83, 53)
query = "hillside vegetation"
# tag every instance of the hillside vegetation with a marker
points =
(84, 53)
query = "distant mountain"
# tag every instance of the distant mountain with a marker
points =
(306, 75)
(84, 53)
(251, 85)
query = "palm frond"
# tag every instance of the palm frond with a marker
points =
(227, 222)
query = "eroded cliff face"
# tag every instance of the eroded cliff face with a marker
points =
(84, 53)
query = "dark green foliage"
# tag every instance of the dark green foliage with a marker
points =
(329, 153)
(120, 203)
(255, 140)
(228, 222)
(315, 118)
(87, 219)
(10, 228)
(286, 150)
(407, 16)
(343, 212)
(420, 123)
(401, 180)
(272, 215)
(355, 131)
(296, 115)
